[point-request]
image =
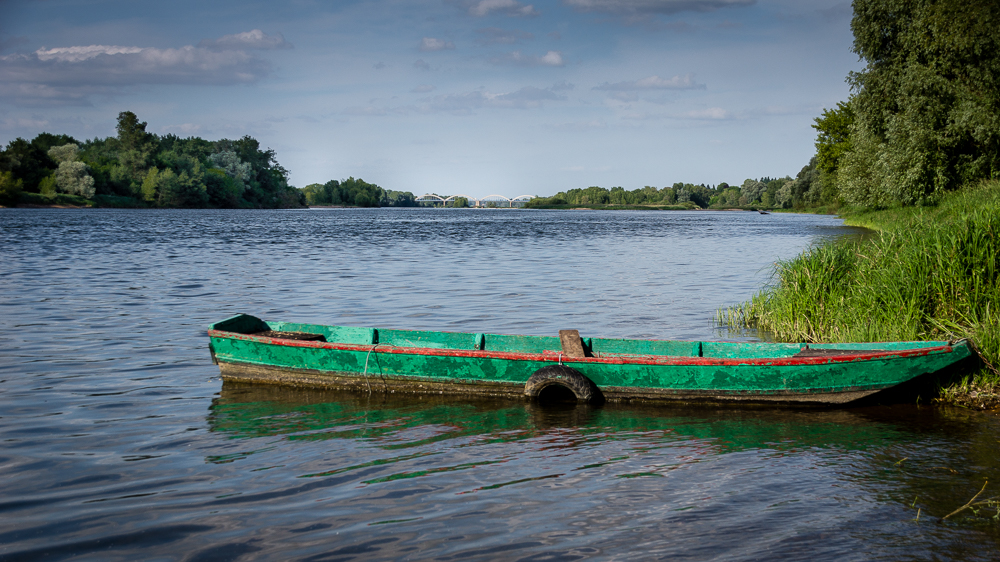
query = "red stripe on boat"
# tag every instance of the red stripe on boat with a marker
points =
(552, 356)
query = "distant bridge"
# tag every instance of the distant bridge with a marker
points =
(480, 202)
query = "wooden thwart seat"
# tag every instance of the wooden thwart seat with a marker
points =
(572, 345)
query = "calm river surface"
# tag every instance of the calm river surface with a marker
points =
(118, 441)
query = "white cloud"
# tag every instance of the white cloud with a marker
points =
(423, 89)
(551, 58)
(77, 54)
(421, 64)
(678, 82)
(432, 44)
(253, 39)
(506, 7)
(71, 75)
(641, 7)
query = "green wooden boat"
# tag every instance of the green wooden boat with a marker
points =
(249, 349)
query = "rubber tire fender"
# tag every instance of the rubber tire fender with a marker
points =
(583, 388)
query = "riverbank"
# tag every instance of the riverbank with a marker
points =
(930, 273)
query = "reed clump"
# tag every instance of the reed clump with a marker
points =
(930, 273)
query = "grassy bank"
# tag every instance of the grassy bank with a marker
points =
(931, 273)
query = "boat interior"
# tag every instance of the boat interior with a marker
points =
(569, 343)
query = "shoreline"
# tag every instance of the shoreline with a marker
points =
(928, 273)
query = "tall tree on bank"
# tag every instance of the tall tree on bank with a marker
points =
(926, 106)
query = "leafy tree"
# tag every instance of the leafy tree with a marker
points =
(48, 185)
(136, 163)
(927, 104)
(751, 191)
(152, 182)
(834, 138)
(783, 197)
(230, 163)
(10, 188)
(184, 190)
(460, 202)
(71, 176)
(222, 189)
(315, 194)
(805, 190)
(398, 199)
(132, 133)
(28, 162)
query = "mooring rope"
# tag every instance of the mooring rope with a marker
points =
(366, 368)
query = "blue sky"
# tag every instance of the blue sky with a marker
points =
(449, 96)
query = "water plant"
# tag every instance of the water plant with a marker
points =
(929, 273)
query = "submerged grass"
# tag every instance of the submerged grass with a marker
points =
(931, 273)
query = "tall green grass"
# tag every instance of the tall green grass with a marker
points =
(930, 273)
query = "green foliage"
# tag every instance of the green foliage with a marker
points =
(460, 202)
(164, 171)
(931, 273)
(223, 190)
(55, 199)
(28, 161)
(927, 105)
(48, 185)
(231, 164)
(594, 196)
(834, 138)
(806, 190)
(751, 191)
(65, 153)
(399, 199)
(10, 188)
(151, 184)
(72, 176)
(132, 133)
(349, 192)
(315, 194)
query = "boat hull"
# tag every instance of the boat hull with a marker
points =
(696, 371)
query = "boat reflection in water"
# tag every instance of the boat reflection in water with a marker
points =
(250, 410)
(440, 475)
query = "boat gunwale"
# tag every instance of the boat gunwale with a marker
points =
(549, 356)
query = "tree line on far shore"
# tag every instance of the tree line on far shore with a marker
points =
(766, 192)
(138, 168)
(356, 193)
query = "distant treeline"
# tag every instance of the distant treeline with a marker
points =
(356, 192)
(764, 192)
(147, 169)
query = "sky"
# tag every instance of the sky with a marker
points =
(473, 97)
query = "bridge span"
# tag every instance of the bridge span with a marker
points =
(477, 202)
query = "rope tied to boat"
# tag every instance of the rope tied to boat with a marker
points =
(366, 368)
(560, 358)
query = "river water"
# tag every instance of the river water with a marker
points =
(118, 441)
